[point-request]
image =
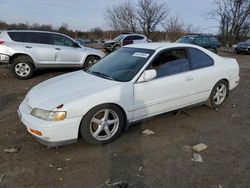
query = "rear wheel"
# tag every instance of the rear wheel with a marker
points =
(22, 67)
(91, 60)
(218, 94)
(102, 124)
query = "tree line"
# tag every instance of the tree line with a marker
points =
(153, 19)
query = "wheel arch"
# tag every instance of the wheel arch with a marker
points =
(115, 104)
(227, 82)
(21, 54)
(87, 56)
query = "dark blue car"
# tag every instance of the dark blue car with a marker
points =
(243, 47)
(205, 41)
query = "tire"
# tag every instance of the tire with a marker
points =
(91, 60)
(102, 124)
(219, 94)
(215, 50)
(22, 67)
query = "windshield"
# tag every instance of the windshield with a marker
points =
(119, 38)
(186, 39)
(121, 65)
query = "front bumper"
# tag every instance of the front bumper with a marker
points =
(53, 133)
(242, 49)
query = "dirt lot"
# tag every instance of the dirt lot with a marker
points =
(160, 160)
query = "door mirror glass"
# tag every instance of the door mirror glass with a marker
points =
(147, 75)
(76, 45)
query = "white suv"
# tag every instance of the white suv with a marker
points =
(28, 50)
(125, 39)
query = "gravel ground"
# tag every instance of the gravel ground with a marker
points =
(136, 160)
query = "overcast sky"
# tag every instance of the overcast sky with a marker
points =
(84, 15)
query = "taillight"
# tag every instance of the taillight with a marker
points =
(1, 41)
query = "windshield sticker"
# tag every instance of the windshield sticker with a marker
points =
(138, 54)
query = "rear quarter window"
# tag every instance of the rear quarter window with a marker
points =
(199, 59)
(17, 36)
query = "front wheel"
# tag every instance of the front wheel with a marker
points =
(102, 124)
(91, 60)
(218, 94)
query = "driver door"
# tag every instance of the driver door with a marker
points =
(173, 87)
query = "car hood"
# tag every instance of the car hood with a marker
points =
(93, 51)
(65, 88)
(110, 42)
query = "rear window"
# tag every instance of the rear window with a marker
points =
(199, 59)
(213, 39)
(186, 39)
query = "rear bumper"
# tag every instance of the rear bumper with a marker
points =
(234, 83)
(4, 58)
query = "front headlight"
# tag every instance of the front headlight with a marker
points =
(48, 115)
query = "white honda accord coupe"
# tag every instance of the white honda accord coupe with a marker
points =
(133, 83)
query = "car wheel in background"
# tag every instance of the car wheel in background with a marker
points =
(102, 124)
(91, 60)
(219, 94)
(215, 50)
(22, 67)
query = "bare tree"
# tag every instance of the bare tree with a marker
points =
(234, 19)
(97, 33)
(174, 28)
(150, 14)
(122, 17)
(191, 29)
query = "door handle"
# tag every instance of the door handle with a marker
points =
(189, 78)
(58, 48)
(28, 47)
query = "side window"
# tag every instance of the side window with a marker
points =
(40, 38)
(198, 41)
(18, 36)
(199, 59)
(206, 40)
(62, 41)
(171, 62)
(129, 38)
(137, 37)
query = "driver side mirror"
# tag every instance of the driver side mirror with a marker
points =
(147, 75)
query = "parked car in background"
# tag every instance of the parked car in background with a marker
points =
(125, 39)
(81, 42)
(28, 51)
(203, 40)
(243, 47)
(133, 83)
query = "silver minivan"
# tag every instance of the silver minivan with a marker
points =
(28, 50)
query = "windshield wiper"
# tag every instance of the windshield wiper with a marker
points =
(101, 74)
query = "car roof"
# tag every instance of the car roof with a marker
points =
(32, 31)
(199, 35)
(159, 45)
(129, 34)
